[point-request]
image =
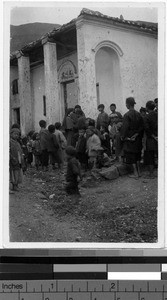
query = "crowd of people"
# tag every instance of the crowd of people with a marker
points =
(81, 144)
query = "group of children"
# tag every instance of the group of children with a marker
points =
(90, 144)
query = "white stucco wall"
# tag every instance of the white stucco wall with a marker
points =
(38, 91)
(72, 57)
(138, 64)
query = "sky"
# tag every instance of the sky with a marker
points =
(63, 12)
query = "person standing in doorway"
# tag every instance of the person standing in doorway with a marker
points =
(68, 126)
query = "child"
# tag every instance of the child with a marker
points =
(102, 118)
(53, 147)
(93, 146)
(62, 143)
(73, 175)
(114, 133)
(81, 149)
(16, 159)
(37, 150)
(44, 135)
(105, 141)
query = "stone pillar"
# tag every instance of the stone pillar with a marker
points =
(24, 87)
(86, 73)
(51, 83)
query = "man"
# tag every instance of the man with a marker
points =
(131, 135)
(151, 130)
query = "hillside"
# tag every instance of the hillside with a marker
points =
(27, 33)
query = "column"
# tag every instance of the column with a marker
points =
(51, 83)
(24, 86)
(86, 73)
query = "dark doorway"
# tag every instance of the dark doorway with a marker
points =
(70, 94)
(16, 114)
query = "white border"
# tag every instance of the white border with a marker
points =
(5, 243)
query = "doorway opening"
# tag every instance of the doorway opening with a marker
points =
(70, 94)
(16, 115)
(108, 78)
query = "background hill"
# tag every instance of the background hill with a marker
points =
(27, 33)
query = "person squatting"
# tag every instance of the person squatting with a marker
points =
(81, 144)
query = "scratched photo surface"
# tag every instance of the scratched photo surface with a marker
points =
(83, 124)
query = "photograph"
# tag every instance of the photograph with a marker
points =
(86, 124)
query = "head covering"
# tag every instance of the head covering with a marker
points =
(71, 151)
(15, 125)
(150, 105)
(17, 130)
(130, 101)
(77, 106)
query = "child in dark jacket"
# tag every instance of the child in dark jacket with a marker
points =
(73, 175)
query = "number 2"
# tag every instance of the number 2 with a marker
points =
(112, 286)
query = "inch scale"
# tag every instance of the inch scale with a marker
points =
(83, 290)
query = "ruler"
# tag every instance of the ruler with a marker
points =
(83, 290)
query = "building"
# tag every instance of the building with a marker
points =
(93, 59)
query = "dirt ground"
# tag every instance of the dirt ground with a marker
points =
(120, 210)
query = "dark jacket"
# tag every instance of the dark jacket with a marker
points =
(16, 155)
(73, 170)
(151, 130)
(52, 143)
(132, 124)
(44, 135)
(102, 120)
(81, 145)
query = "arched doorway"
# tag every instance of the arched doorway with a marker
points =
(68, 81)
(108, 79)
